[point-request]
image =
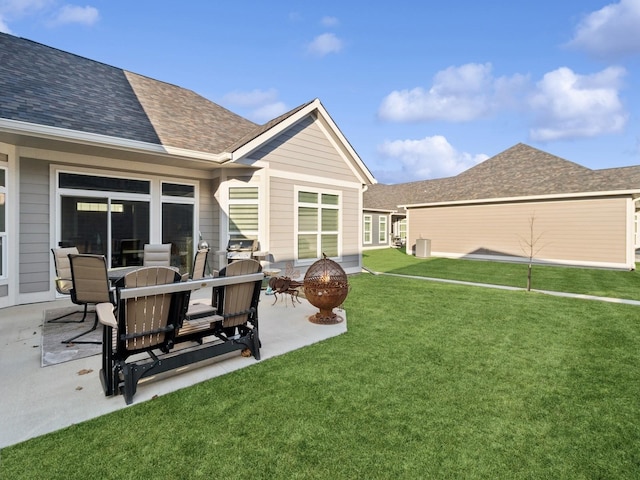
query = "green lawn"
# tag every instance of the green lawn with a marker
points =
(588, 281)
(432, 380)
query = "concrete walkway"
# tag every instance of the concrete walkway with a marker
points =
(507, 287)
(37, 400)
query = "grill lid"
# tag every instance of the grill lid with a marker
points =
(242, 245)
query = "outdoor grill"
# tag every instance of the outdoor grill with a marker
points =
(240, 248)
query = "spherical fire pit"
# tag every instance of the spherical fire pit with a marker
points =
(326, 287)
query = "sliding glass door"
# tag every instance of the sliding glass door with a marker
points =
(113, 217)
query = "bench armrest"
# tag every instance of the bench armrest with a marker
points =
(105, 313)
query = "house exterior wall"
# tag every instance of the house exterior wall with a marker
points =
(304, 157)
(34, 237)
(282, 205)
(586, 231)
(305, 149)
(36, 216)
(375, 230)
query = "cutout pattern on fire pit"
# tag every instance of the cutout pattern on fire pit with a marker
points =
(325, 287)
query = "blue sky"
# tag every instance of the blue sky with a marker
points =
(420, 89)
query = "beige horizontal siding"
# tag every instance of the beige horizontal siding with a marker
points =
(282, 215)
(305, 149)
(34, 251)
(587, 230)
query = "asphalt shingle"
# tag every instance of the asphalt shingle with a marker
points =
(46, 86)
(519, 171)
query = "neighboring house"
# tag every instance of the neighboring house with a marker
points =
(571, 214)
(108, 160)
(384, 223)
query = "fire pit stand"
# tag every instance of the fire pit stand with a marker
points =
(325, 287)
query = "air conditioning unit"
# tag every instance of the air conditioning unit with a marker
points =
(423, 248)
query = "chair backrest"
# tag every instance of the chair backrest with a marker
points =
(63, 281)
(235, 302)
(144, 322)
(199, 264)
(90, 280)
(157, 255)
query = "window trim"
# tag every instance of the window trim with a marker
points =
(319, 231)
(256, 202)
(4, 236)
(154, 198)
(382, 229)
(367, 219)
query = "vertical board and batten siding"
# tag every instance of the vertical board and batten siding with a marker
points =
(305, 149)
(34, 256)
(584, 231)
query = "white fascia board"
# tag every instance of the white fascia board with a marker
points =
(379, 210)
(345, 142)
(562, 196)
(95, 139)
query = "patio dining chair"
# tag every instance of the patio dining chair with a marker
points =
(199, 264)
(90, 286)
(199, 308)
(63, 281)
(156, 255)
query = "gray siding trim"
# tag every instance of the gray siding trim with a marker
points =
(34, 255)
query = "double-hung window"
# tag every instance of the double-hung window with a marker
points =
(318, 219)
(367, 229)
(382, 229)
(243, 212)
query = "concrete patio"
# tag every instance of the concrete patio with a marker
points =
(37, 400)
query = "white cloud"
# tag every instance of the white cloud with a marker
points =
(252, 98)
(11, 10)
(74, 14)
(261, 105)
(4, 28)
(567, 105)
(325, 44)
(329, 22)
(268, 112)
(430, 157)
(612, 30)
(14, 9)
(23, 7)
(458, 94)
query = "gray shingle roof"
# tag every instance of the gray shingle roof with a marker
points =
(46, 86)
(519, 171)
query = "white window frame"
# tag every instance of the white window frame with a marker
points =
(154, 198)
(367, 233)
(3, 233)
(230, 202)
(382, 229)
(318, 231)
(402, 228)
